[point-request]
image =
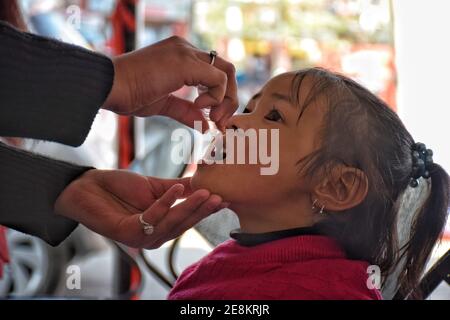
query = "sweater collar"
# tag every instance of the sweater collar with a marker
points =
(254, 239)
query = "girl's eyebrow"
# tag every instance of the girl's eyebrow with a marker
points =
(281, 97)
(256, 96)
(274, 95)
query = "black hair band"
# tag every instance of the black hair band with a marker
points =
(422, 159)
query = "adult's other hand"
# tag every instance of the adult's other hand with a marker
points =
(145, 80)
(109, 202)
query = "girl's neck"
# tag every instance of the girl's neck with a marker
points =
(261, 218)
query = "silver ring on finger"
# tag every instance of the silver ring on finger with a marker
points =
(213, 55)
(147, 228)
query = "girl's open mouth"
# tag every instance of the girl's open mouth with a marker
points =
(220, 155)
(216, 150)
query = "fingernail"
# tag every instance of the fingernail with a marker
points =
(214, 202)
(180, 190)
(203, 192)
(221, 127)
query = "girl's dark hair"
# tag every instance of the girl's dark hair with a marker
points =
(361, 131)
(10, 12)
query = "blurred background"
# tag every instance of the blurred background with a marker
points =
(396, 48)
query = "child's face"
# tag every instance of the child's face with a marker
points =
(269, 109)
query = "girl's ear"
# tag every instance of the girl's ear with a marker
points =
(344, 188)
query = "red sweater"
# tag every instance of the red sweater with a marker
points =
(299, 267)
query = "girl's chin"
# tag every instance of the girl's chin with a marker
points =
(200, 180)
(215, 186)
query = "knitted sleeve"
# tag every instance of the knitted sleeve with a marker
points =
(29, 187)
(49, 90)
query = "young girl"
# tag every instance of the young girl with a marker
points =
(319, 227)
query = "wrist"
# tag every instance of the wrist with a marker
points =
(73, 194)
(117, 98)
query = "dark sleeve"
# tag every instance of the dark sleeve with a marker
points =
(49, 90)
(29, 186)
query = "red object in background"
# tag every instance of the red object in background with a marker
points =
(4, 256)
(135, 282)
(123, 23)
(124, 27)
(126, 144)
(123, 40)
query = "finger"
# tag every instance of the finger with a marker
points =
(220, 113)
(182, 110)
(177, 214)
(212, 78)
(160, 207)
(212, 205)
(165, 229)
(162, 185)
(130, 230)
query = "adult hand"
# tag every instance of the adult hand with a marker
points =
(145, 80)
(109, 202)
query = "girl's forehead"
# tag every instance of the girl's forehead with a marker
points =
(281, 83)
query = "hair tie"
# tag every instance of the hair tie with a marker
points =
(422, 159)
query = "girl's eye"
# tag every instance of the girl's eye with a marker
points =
(246, 110)
(274, 115)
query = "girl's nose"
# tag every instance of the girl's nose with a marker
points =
(237, 122)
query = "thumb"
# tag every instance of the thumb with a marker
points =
(185, 112)
(179, 109)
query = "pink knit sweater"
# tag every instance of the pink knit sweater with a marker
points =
(299, 267)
